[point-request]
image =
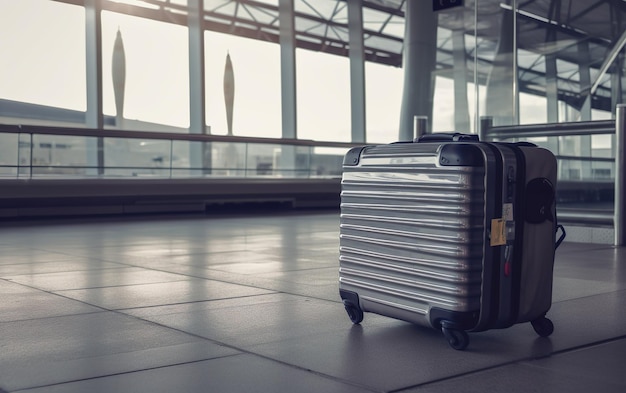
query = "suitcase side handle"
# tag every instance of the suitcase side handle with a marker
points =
(561, 238)
(447, 137)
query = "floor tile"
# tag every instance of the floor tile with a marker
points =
(588, 320)
(66, 265)
(22, 303)
(245, 322)
(13, 254)
(56, 350)
(572, 288)
(599, 363)
(147, 295)
(241, 373)
(95, 279)
(518, 379)
(392, 354)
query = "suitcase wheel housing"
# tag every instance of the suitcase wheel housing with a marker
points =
(458, 339)
(355, 313)
(351, 303)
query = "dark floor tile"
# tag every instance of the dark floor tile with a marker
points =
(599, 363)
(241, 373)
(57, 350)
(518, 379)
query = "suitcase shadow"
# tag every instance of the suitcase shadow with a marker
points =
(542, 347)
(400, 331)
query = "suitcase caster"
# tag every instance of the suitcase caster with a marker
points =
(355, 313)
(458, 339)
(543, 326)
(351, 303)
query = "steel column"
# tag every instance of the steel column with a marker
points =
(94, 117)
(461, 105)
(288, 68)
(357, 70)
(585, 111)
(418, 62)
(199, 153)
(502, 81)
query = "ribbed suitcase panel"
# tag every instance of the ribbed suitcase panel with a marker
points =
(412, 233)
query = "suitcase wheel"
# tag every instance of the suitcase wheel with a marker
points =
(458, 339)
(543, 326)
(355, 313)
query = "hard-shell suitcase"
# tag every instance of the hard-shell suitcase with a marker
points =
(449, 232)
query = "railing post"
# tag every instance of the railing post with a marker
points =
(245, 161)
(171, 157)
(486, 122)
(30, 159)
(420, 126)
(619, 217)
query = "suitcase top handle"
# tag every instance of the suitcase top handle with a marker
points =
(447, 137)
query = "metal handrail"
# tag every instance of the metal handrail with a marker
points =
(109, 133)
(168, 137)
(616, 127)
(599, 127)
(595, 218)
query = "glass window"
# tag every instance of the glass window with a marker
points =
(256, 71)
(156, 64)
(533, 109)
(454, 98)
(443, 106)
(43, 54)
(475, 101)
(323, 95)
(497, 47)
(137, 157)
(54, 155)
(379, 21)
(383, 95)
(327, 161)
(9, 158)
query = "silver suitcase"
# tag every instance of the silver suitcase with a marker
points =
(452, 234)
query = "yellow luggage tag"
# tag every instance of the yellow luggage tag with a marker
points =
(498, 232)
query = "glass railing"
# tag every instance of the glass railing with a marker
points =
(591, 178)
(36, 152)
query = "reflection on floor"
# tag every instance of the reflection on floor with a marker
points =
(242, 304)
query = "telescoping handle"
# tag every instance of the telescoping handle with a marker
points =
(447, 137)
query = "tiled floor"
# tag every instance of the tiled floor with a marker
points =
(250, 304)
